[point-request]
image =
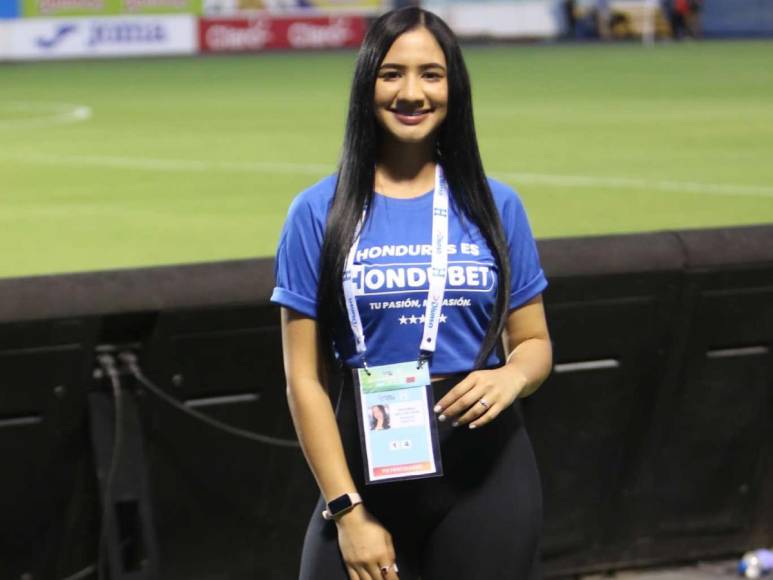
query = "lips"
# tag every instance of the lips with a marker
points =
(411, 117)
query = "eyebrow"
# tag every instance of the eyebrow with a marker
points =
(403, 67)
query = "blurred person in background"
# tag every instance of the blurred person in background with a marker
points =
(410, 126)
(571, 18)
(684, 16)
(694, 26)
(603, 19)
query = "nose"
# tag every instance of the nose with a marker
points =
(411, 91)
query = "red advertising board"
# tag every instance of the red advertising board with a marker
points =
(270, 32)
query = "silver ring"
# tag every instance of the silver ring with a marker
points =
(484, 403)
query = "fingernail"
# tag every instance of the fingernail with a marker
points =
(472, 426)
(441, 418)
(437, 408)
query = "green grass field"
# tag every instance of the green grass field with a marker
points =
(116, 164)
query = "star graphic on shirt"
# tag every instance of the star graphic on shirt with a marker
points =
(443, 318)
(422, 319)
(403, 319)
(413, 319)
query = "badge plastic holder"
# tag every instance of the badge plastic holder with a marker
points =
(398, 429)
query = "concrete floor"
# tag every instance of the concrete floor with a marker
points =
(719, 570)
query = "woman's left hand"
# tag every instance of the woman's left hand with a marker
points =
(497, 387)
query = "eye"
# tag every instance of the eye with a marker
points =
(389, 75)
(432, 75)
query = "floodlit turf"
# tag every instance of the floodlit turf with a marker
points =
(111, 164)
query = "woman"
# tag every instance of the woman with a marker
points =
(362, 292)
(379, 418)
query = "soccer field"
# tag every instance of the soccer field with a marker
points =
(142, 162)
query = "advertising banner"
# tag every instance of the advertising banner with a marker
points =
(5, 40)
(266, 32)
(239, 7)
(9, 9)
(50, 8)
(40, 38)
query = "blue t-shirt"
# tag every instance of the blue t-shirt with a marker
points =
(390, 274)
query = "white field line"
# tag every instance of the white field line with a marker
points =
(319, 169)
(172, 165)
(41, 114)
(589, 181)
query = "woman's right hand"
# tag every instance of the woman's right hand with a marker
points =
(365, 545)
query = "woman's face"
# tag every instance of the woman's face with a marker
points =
(411, 97)
(378, 413)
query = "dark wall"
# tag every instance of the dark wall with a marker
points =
(653, 433)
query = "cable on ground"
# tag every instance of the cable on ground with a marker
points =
(107, 362)
(129, 359)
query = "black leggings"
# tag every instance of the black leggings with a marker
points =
(481, 520)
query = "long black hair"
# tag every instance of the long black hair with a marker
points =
(456, 150)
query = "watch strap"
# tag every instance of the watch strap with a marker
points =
(341, 505)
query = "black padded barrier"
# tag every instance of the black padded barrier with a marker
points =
(653, 433)
(610, 321)
(715, 443)
(47, 486)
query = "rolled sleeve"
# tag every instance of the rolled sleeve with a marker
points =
(296, 268)
(527, 278)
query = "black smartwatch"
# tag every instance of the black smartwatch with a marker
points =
(341, 505)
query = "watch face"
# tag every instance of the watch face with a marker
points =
(339, 503)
